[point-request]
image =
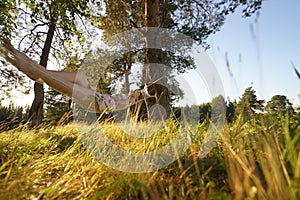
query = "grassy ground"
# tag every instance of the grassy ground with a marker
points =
(254, 159)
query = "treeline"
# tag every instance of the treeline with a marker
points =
(12, 116)
(57, 112)
(246, 107)
(58, 109)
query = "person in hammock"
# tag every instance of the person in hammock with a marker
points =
(72, 84)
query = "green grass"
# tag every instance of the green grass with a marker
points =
(254, 159)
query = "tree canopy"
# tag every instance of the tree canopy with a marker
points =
(194, 18)
(249, 104)
(279, 104)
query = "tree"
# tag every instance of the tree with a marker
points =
(41, 21)
(230, 111)
(57, 108)
(218, 110)
(279, 104)
(249, 104)
(11, 116)
(193, 115)
(194, 18)
(205, 112)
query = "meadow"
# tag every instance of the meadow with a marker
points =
(257, 158)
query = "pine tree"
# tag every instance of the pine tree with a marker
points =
(249, 104)
(230, 111)
(57, 108)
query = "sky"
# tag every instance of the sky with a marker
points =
(260, 51)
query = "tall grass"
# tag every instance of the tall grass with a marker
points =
(255, 159)
(263, 158)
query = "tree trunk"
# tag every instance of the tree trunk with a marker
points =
(127, 84)
(152, 72)
(36, 109)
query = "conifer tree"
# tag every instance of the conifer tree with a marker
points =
(249, 104)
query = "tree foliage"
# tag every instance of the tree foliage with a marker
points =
(230, 111)
(249, 104)
(12, 116)
(205, 112)
(279, 104)
(57, 108)
(7, 18)
(195, 18)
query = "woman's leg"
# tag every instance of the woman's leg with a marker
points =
(64, 82)
(72, 84)
(73, 77)
(21, 61)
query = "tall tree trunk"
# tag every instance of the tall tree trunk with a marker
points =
(152, 71)
(36, 109)
(127, 84)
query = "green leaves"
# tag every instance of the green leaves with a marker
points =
(249, 104)
(7, 18)
(197, 19)
(279, 104)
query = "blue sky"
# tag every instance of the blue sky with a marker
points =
(260, 51)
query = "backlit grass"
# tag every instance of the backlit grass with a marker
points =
(254, 159)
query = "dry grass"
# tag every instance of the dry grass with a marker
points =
(263, 160)
(253, 160)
